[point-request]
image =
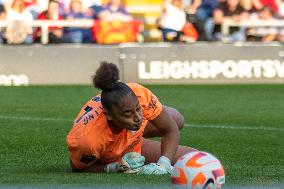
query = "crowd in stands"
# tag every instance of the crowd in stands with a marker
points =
(180, 20)
(25, 11)
(207, 17)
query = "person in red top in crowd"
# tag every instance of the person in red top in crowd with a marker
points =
(55, 33)
(272, 4)
(34, 7)
(29, 2)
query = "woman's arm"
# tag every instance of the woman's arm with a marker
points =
(169, 133)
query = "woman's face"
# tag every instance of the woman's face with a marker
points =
(265, 14)
(233, 3)
(115, 2)
(76, 6)
(128, 115)
(177, 3)
(53, 7)
(3, 16)
(19, 4)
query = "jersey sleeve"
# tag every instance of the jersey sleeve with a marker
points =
(83, 149)
(151, 105)
(81, 155)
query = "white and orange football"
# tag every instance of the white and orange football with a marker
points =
(198, 170)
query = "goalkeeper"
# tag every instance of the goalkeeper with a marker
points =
(111, 130)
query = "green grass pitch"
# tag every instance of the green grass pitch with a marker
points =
(242, 125)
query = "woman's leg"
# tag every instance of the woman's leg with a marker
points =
(151, 150)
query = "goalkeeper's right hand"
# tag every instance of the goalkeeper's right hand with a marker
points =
(153, 169)
(163, 166)
(130, 163)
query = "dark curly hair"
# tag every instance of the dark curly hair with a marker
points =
(106, 78)
(2, 9)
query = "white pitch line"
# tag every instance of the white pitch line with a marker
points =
(26, 118)
(33, 118)
(234, 127)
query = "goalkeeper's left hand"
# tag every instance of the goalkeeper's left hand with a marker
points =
(130, 163)
(163, 166)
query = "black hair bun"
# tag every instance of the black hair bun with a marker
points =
(106, 76)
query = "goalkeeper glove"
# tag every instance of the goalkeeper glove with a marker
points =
(163, 166)
(166, 163)
(130, 163)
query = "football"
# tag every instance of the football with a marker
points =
(198, 170)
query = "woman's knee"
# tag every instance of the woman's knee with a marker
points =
(180, 121)
(182, 150)
(176, 115)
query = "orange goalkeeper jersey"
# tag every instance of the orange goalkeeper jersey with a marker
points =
(92, 140)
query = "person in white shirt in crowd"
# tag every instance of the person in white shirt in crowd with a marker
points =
(172, 20)
(264, 34)
(17, 12)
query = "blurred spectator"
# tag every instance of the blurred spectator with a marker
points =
(189, 33)
(52, 13)
(202, 11)
(77, 35)
(281, 9)
(114, 24)
(272, 4)
(23, 18)
(264, 34)
(2, 17)
(63, 6)
(203, 8)
(114, 11)
(29, 2)
(187, 3)
(172, 20)
(2, 12)
(3, 2)
(231, 10)
(251, 6)
(94, 10)
(34, 7)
